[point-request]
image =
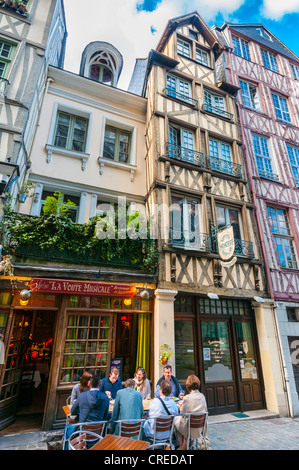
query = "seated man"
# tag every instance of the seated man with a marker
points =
(91, 405)
(128, 405)
(176, 389)
(157, 410)
(110, 385)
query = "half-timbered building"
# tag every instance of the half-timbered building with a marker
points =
(210, 311)
(267, 73)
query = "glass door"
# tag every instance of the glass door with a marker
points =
(184, 349)
(246, 352)
(216, 352)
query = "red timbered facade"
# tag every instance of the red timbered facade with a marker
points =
(267, 73)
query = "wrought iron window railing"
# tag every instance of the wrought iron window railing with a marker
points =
(192, 156)
(225, 166)
(189, 240)
(180, 96)
(268, 174)
(186, 155)
(219, 111)
(242, 247)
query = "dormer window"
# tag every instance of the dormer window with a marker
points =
(263, 33)
(102, 69)
(102, 63)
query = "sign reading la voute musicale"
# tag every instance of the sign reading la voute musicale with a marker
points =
(61, 286)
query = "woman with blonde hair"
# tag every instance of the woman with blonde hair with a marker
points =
(82, 386)
(142, 384)
(193, 402)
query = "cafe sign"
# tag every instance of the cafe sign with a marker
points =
(226, 246)
(62, 286)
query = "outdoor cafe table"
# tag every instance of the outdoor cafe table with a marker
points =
(111, 442)
(146, 404)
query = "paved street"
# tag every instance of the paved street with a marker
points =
(253, 434)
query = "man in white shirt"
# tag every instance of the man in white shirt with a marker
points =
(157, 410)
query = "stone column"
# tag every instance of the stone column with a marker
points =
(275, 393)
(163, 328)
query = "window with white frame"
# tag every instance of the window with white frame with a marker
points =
(220, 150)
(229, 216)
(262, 157)
(215, 104)
(72, 212)
(181, 137)
(281, 107)
(241, 47)
(295, 71)
(202, 57)
(269, 60)
(117, 144)
(282, 235)
(250, 95)
(178, 88)
(185, 223)
(70, 132)
(293, 153)
(183, 47)
(263, 33)
(7, 50)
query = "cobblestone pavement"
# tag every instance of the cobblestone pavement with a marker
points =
(255, 434)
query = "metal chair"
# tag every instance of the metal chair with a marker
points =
(98, 427)
(159, 446)
(130, 427)
(80, 440)
(68, 401)
(163, 425)
(197, 420)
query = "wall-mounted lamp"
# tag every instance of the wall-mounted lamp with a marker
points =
(259, 300)
(25, 295)
(144, 294)
(127, 302)
(9, 172)
(213, 296)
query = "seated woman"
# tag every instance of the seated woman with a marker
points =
(193, 402)
(82, 386)
(142, 383)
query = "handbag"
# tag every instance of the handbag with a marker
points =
(164, 406)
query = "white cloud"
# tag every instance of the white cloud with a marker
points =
(118, 22)
(276, 9)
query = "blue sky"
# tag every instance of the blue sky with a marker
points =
(134, 27)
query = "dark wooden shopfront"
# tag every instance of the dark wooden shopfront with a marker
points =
(87, 332)
(217, 341)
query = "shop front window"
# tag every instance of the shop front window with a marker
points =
(247, 359)
(216, 352)
(184, 349)
(87, 346)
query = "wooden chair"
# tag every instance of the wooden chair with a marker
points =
(197, 421)
(163, 425)
(80, 440)
(130, 428)
(98, 427)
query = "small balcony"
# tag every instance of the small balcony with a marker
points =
(189, 240)
(242, 248)
(268, 175)
(184, 154)
(219, 111)
(225, 166)
(19, 7)
(180, 96)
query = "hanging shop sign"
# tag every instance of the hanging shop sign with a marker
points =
(226, 246)
(62, 286)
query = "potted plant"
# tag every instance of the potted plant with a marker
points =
(22, 6)
(166, 353)
(25, 191)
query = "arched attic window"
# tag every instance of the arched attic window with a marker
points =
(103, 68)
